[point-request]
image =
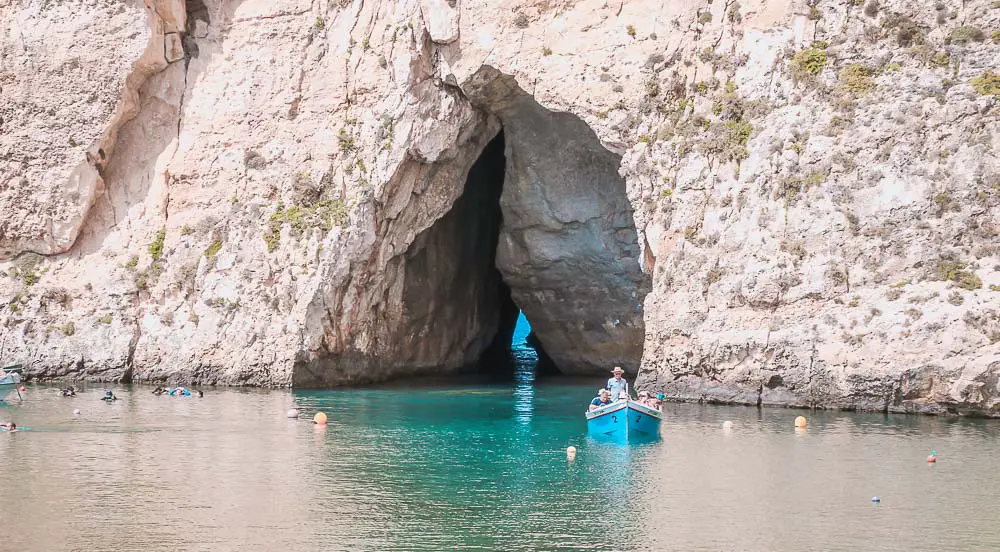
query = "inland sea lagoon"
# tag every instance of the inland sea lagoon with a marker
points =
(474, 464)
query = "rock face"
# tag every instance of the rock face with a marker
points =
(754, 202)
(568, 247)
(64, 103)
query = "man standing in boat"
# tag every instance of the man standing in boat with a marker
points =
(617, 385)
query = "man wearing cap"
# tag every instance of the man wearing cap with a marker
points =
(617, 384)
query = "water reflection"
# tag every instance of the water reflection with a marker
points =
(525, 360)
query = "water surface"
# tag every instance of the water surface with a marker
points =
(480, 466)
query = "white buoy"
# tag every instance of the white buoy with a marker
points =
(76, 411)
(727, 426)
(292, 413)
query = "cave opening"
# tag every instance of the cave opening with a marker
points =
(543, 232)
(539, 242)
(565, 253)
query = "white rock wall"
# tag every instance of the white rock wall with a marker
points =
(796, 231)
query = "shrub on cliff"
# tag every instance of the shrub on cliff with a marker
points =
(987, 84)
(908, 33)
(156, 247)
(324, 214)
(728, 140)
(964, 35)
(27, 269)
(856, 79)
(808, 63)
(954, 271)
(213, 249)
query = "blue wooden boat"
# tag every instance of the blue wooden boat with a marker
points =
(624, 420)
(10, 380)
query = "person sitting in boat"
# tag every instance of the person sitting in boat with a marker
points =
(645, 399)
(109, 397)
(617, 385)
(658, 401)
(603, 398)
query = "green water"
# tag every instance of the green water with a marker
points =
(480, 466)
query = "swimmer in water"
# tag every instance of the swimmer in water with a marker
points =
(10, 427)
(69, 392)
(109, 396)
(159, 391)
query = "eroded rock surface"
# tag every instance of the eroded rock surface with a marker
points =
(774, 202)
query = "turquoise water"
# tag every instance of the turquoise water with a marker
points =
(481, 466)
(473, 464)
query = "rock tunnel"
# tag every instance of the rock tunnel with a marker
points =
(562, 246)
(542, 226)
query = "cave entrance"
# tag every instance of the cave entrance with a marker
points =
(563, 250)
(541, 231)
(567, 251)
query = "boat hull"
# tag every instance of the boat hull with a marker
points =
(624, 420)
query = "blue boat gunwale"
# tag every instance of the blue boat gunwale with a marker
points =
(606, 409)
(619, 405)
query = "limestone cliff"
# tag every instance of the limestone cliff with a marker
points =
(763, 202)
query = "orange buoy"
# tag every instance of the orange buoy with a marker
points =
(801, 422)
(319, 418)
